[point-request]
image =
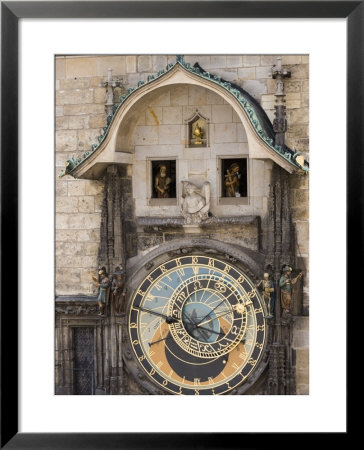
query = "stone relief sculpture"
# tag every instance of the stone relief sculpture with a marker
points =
(268, 294)
(103, 283)
(195, 202)
(162, 183)
(285, 283)
(118, 290)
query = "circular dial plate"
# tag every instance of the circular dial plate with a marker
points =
(196, 326)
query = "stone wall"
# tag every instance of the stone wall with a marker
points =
(80, 116)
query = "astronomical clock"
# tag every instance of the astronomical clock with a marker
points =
(192, 286)
(196, 326)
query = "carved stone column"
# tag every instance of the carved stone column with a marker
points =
(280, 122)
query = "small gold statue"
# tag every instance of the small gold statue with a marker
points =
(198, 133)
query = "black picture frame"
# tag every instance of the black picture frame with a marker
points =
(11, 12)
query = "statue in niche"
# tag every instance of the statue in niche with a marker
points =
(268, 294)
(232, 181)
(285, 283)
(162, 183)
(103, 283)
(118, 290)
(198, 134)
(195, 202)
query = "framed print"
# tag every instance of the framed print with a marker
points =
(178, 221)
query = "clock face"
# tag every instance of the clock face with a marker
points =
(196, 326)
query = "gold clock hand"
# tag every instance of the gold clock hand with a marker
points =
(213, 318)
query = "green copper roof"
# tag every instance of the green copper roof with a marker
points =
(246, 101)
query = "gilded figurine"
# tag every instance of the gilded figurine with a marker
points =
(198, 134)
(285, 283)
(162, 183)
(268, 294)
(118, 290)
(103, 283)
(232, 181)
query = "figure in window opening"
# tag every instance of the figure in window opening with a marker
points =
(162, 183)
(118, 290)
(232, 181)
(268, 294)
(285, 283)
(103, 283)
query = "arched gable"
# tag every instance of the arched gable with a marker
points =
(114, 144)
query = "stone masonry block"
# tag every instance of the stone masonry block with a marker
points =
(291, 59)
(241, 133)
(264, 72)
(154, 115)
(66, 204)
(86, 138)
(86, 204)
(74, 110)
(163, 100)
(229, 74)
(76, 187)
(78, 235)
(246, 73)
(222, 114)
(91, 248)
(213, 99)
(77, 83)
(179, 95)
(59, 111)
(234, 61)
(170, 134)
(172, 115)
(251, 60)
(300, 72)
(61, 188)
(196, 95)
(297, 116)
(68, 248)
(158, 62)
(74, 97)
(94, 187)
(116, 63)
(268, 60)
(293, 100)
(97, 121)
(255, 88)
(62, 221)
(145, 63)
(80, 67)
(60, 72)
(66, 140)
(144, 135)
(305, 59)
(82, 221)
(301, 197)
(225, 132)
(218, 61)
(301, 339)
(61, 123)
(67, 275)
(130, 64)
(78, 122)
(302, 359)
(100, 95)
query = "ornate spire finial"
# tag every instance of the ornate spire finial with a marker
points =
(180, 59)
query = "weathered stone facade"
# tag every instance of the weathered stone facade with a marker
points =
(159, 132)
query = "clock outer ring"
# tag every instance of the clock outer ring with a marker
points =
(160, 257)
